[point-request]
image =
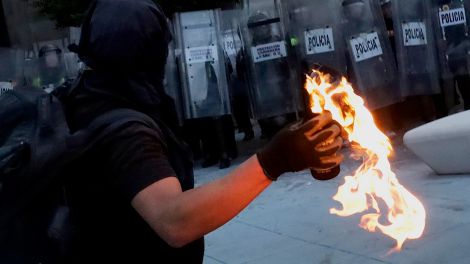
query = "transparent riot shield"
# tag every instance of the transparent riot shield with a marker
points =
(452, 31)
(47, 73)
(203, 64)
(230, 37)
(11, 69)
(415, 44)
(172, 81)
(74, 35)
(373, 65)
(274, 86)
(315, 29)
(72, 65)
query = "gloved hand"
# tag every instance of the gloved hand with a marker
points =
(313, 144)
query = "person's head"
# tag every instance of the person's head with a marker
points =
(353, 9)
(51, 55)
(258, 29)
(125, 36)
(125, 45)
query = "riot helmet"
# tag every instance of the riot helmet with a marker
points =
(353, 9)
(261, 32)
(385, 2)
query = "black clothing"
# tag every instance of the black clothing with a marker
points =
(125, 42)
(241, 101)
(463, 82)
(100, 191)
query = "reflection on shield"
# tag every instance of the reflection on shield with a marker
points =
(319, 40)
(202, 64)
(11, 69)
(417, 61)
(274, 86)
(374, 71)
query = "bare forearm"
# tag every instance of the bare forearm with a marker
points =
(186, 216)
(204, 209)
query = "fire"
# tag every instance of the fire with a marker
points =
(374, 181)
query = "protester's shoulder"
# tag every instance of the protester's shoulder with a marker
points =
(134, 158)
(138, 133)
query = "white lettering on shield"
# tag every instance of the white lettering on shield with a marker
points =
(319, 41)
(452, 17)
(201, 54)
(365, 47)
(5, 86)
(414, 34)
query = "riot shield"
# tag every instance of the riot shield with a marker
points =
(47, 73)
(72, 65)
(74, 35)
(415, 42)
(11, 69)
(316, 31)
(370, 54)
(452, 31)
(203, 65)
(274, 86)
(172, 81)
(230, 37)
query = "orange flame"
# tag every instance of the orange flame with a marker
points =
(374, 180)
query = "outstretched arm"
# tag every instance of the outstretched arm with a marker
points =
(181, 217)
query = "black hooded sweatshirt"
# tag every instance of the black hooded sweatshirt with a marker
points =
(125, 43)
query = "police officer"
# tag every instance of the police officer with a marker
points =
(457, 45)
(275, 91)
(51, 73)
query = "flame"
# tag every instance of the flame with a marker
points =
(374, 181)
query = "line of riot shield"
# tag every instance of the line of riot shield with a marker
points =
(370, 55)
(452, 31)
(203, 64)
(415, 46)
(11, 69)
(315, 29)
(273, 83)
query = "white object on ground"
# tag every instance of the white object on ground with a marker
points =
(443, 144)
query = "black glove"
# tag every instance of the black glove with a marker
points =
(313, 144)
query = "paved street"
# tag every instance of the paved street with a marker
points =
(290, 222)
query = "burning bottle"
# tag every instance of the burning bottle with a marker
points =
(328, 173)
(374, 182)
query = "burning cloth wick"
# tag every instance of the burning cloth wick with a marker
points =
(374, 181)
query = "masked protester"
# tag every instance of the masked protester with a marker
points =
(132, 197)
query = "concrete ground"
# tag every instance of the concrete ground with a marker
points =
(290, 221)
